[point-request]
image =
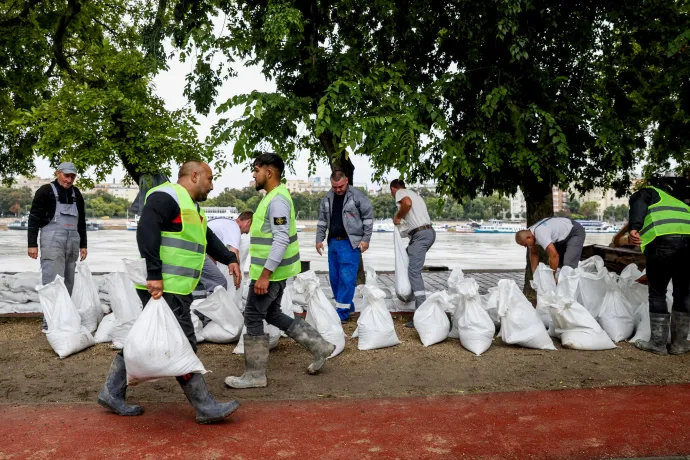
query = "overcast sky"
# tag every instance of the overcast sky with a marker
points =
(169, 86)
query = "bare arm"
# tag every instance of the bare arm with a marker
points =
(405, 206)
(553, 257)
(236, 252)
(534, 257)
(617, 238)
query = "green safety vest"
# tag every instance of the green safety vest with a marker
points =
(182, 253)
(669, 216)
(260, 242)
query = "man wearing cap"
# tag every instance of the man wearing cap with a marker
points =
(58, 212)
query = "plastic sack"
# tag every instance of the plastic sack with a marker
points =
(520, 324)
(453, 279)
(490, 304)
(544, 283)
(104, 333)
(575, 326)
(198, 327)
(475, 327)
(233, 292)
(403, 288)
(25, 281)
(375, 328)
(126, 306)
(273, 338)
(430, 319)
(615, 316)
(226, 320)
(637, 295)
(158, 347)
(568, 283)
(85, 298)
(65, 334)
(593, 284)
(320, 312)
(136, 270)
(287, 307)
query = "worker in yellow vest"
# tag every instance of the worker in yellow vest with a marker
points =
(274, 254)
(660, 225)
(173, 238)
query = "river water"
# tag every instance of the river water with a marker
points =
(468, 251)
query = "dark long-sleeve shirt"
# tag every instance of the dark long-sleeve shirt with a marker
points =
(43, 211)
(162, 214)
(639, 202)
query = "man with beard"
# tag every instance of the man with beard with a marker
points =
(173, 238)
(274, 254)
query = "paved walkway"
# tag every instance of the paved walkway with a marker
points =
(569, 424)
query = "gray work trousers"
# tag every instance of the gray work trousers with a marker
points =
(420, 242)
(266, 307)
(59, 255)
(211, 278)
(570, 249)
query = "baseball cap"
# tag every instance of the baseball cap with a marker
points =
(67, 167)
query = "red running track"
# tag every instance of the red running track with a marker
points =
(568, 424)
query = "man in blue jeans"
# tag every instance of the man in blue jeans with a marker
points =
(347, 218)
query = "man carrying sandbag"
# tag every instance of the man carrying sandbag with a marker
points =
(274, 254)
(560, 237)
(347, 216)
(412, 208)
(57, 211)
(660, 224)
(173, 237)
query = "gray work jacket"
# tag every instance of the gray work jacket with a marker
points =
(358, 216)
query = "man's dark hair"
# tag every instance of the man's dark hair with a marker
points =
(338, 175)
(397, 183)
(246, 215)
(270, 159)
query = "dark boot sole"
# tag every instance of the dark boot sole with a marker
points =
(208, 420)
(676, 352)
(656, 352)
(105, 404)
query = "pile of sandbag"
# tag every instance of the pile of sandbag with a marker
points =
(66, 335)
(320, 312)
(375, 328)
(18, 293)
(226, 319)
(520, 322)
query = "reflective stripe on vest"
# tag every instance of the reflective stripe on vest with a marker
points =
(669, 216)
(182, 253)
(260, 243)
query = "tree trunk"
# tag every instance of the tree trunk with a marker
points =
(539, 200)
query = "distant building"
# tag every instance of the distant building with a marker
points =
(34, 183)
(118, 189)
(297, 186)
(560, 200)
(518, 206)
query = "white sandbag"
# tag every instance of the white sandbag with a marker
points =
(273, 338)
(104, 332)
(29, 307)
(430, 319)
(544, 283)
(615, 316)
(25, 281)
(65, 334)
(14, 297)
(158, 347)
(126, 306)
(490, 304)
(594, 264)
(637, 295)
(198, 327)
(475, 327)
(593, 286)
(520, 324)
(226, 319)
(136, 270)
(403, 288)
(85, 298)
(320, 312)
(575, 326)
(233, 292)
(375, 328)
(453, 279)
(397, 305)
(568, 283)
(297, 298)
(287, 307)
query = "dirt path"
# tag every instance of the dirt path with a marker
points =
(32, 373)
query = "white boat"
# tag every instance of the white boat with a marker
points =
(496, 226)
(464, 228)
(597, 226)
(228, 212)
(440, 228)
(22, 224)
(132, 224)
(384, 226)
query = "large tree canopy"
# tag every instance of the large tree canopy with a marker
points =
(76, 84)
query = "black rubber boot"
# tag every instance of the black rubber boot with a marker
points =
(658, 323)
(255, 363)
(680, 326)
(112, 395)
(305, 334)
(207, 409)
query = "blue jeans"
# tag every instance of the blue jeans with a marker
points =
(343, 263)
